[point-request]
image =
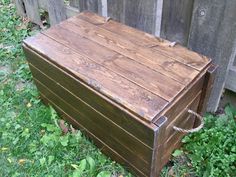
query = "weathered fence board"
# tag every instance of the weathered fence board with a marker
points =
(141, 14)
(32, 11)
(20, 8)
(116, 10)
(212, 34)
(176, 20)
(56, 11)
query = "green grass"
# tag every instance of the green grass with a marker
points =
(32, 143)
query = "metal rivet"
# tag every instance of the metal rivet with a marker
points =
(202, 12)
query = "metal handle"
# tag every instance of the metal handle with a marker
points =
(194, 129)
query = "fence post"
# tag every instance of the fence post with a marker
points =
(56, 11)
(20, 8)
(32, 11)
(212, 33)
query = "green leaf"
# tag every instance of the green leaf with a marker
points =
(50, 159)
(42, 161)
(82, 165)
(104, 174)
(177, 153)
(64, 140)
(91, 163)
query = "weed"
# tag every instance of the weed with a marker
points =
(31, 143)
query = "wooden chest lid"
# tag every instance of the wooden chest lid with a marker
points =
(136, 70)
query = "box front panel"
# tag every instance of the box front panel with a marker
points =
(130, 148)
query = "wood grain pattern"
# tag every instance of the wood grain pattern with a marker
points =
(143, 39)
(123, 92)
(85, 122)
(119, 140)
(213, 34)
(20, 9)
(181, 103)
(116, 62)
(32, 11)
(99, 143)
(116, 10)
(56, 11)
(141, 14)
(140, 129)
(152, 59)
(176, 20)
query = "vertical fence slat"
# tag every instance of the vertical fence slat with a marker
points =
(20, 8)
(212, 34)
(56, 11)
(32, 11)
(115, 10)
(176, 19)
(141, 14)
(74, 3)
(90, 5)
(158, 22)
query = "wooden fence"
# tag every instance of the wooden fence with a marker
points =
(205, 26)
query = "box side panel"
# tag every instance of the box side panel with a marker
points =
(99, 143)
(140, 129)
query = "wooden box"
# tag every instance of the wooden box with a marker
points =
(127, 89)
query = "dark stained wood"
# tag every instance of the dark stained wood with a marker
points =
(159, 148)
(103, 147)
(132, 124)
(181, 103)
(119, 89)
(125, 88)
(152, 59)
(85, 116)
(179, 120)
(129, 69)
(176, 19)
(143, 39)
(125, 139)
(207, 87)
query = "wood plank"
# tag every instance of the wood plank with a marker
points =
(180, 119)
(207, 87)
(140, 38)
(56, 11)
(231, 79)
(20, 9)
(158, 151)
(141, 14)
(176, 19)
(211, 19)
(172, 110)
(84, 118)
(74, 3)
(90, 5)
(174, 137)
(119, 135)
(142, 130)
(104, 148)
(116, 10)
(32, 11)
(145, 56)
(136, 99)
(129, 69)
